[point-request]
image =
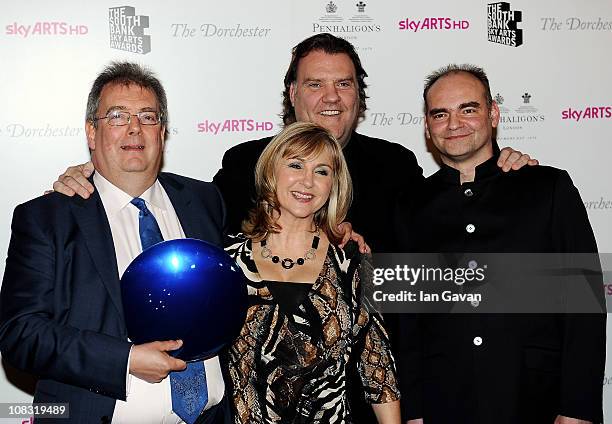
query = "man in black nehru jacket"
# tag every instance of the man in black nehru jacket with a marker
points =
(510, 368)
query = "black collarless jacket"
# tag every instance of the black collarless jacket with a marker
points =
(503, 369)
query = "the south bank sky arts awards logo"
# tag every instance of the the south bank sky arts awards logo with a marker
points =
(127, 30)
(345, 17)
(519, 116)
(502, 24)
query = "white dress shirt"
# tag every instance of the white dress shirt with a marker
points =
(147, 402)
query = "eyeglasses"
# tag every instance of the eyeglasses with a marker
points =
(119, 118)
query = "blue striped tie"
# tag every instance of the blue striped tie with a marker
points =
(188, 387)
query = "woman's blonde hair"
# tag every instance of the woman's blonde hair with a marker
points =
(299, 140)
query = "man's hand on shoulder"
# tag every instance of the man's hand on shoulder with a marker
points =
(513, 159)
(150, 361)
(74, 181)
(567, 420)
(347, 229)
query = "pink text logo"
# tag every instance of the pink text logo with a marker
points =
(234, 125)
(429, 24)
(589, 112)
(45, 28)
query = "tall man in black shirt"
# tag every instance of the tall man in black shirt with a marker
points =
(503, 369)
(325, 84)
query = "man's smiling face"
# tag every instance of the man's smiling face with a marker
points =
(325, 93)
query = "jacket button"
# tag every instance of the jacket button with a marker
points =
(470, 228)
(477, 341)
(468, 192)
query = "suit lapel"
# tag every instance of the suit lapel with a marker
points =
(182, 203)
(93, 223)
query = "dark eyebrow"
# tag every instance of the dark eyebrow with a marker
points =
(436, 111)
(123, 108)
(112, 108)
(345, 78)
(469, 104)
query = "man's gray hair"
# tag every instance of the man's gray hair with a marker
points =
(126, 73)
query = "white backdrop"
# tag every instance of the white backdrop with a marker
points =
(225, 61)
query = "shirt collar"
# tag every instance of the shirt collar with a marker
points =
(115, 199)
(154, 196)
(484, 170)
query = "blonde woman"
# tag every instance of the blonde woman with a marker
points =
(307, 325)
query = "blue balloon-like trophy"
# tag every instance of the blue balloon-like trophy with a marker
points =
(185, 289)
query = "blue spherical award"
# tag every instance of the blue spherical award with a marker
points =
(184, 289)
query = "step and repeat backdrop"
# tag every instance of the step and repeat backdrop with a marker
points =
(222, 63)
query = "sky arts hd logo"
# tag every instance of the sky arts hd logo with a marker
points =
(502, 24)
(435, 24)
(127, 30)
(234, 125)
(589, 112)
(45, 28)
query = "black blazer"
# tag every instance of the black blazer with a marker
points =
(61, 316)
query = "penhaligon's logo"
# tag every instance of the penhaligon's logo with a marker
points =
(336, 16)
(526, 98)
(331, 7)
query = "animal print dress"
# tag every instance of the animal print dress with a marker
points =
(291, 359)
